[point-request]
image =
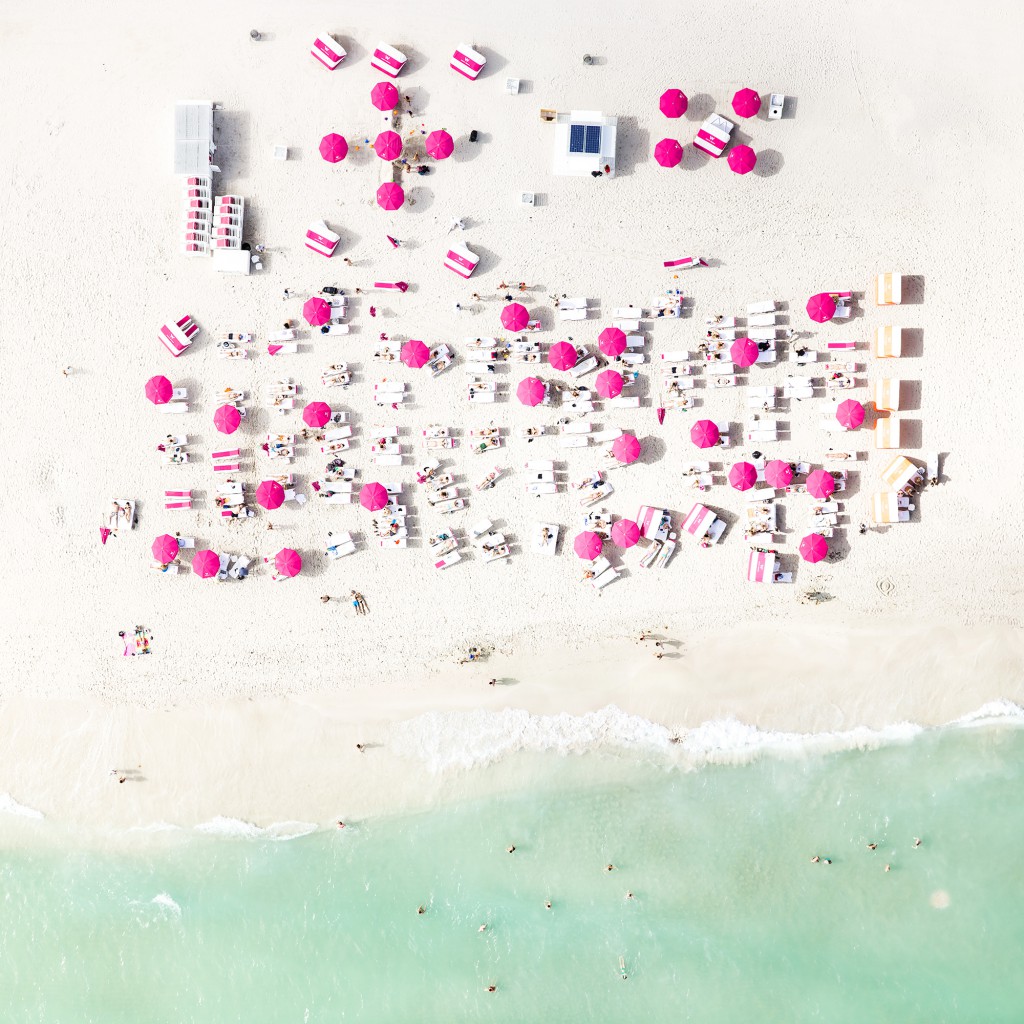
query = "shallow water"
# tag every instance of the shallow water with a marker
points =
(730, 919)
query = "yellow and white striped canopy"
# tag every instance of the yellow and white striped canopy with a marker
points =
(887, 432)
(898, 473)
(889, 289)
(885, 507)
(888, 342)
(887, 394)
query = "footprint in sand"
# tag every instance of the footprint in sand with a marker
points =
(886, 587)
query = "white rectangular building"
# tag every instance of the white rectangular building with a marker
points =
(193, 138)
(584, 143)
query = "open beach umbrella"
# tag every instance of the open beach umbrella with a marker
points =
(820, 484)
(626, 448)
(743, 475)
(744, 352)
(746, 103)
(333, 148)
(390, 195)
(270, 494)
(850, 414)
(159, 390)
(415, 354)
(668, 152)
(384, 96)
(515, 317)
(778, 473)
(704, 434)
(226, 419)
(317, 311)
(373, 497)
(165, 548)
(531, 391)
(562, 356)
(288, 562)
(388, 145)
(587, 545)
(673, 103)
(439, 145)
(316, 415)
(612, 341)
(821, 307)
(609, 384)
(742, 159)
(813, 548)
(625, 533)
(206, 564)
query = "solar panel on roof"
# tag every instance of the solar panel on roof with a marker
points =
(576, 138)
(593, 143)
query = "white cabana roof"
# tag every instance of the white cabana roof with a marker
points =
(584, 142)
(193, 137)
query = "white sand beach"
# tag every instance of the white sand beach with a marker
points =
(891, 159)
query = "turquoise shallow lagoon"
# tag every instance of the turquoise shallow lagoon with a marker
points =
(730, 919)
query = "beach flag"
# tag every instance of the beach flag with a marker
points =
(394, 241)
(104, 534)
(686, 263)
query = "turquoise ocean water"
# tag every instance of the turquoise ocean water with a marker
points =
(730, 920)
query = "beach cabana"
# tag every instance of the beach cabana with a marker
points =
(388, 60)
(702, 523)
(889, 290)
(584, 143)
(654, 523)
(887, 432)
(461, 260)
(328, 51)
(713, 135)
(885, 509)
(177, 335)
(320, 238)
(468, 62)
(899, 473)
(888, 342)
(761, 566)
(887, 394)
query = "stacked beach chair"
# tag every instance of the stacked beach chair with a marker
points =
(196, 241)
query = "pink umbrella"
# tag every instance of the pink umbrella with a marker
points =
(625, 533)
(531, 391)
(165, 548)
(439, 145)
(673, 103)
(743, 476)
(626, 448)
(226, 419)
(821, 307)
(415, 354)
(515, 317)
(612, 341)
(813, 548)
(388, 145)
(159, 390)
(704, 434)
(746, 103)
(742, 159)
(333, 148)
(668, 152)
(744, 352)
(316, 414)
(206, 564)
(609, 384)
(373, 497)
(390, 195)
(587, 545)
(820, 484)
(850, 414)
(317, 311)
(384, 96)
(778, 473)
(270, 494)
(562, 356)
(288, 562)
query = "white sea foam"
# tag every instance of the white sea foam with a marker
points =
(235, 828)
(1001, 711)
(164, 900)
(8, 805)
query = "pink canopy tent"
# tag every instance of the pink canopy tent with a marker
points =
(820, 484)
(850, 414)
(743, 475)
(206, 564)
(742, 159)
(612, 341)
(562, 356)
(673, 103)
(668, 152)
(317, 311)
(333, 148)
(587, 545)
(626, 448)
(821, 307)
(704, 434)
(390, 195)
(744, 352)
(384, 96)
(316, 414)
(515, 317)
(778, 473)
(609, 384)
(159, 390)
(388, 145)
(288, 562)
(625, 533)
(415, 354)
(226, 419)
(531, 391)
(373, 497)
(746, 103)
(270, 495)
(813, 548)
(165, 548)
(439, 145)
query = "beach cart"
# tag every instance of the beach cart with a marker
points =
(468, 62)
(177, 335)
(388, 60)
(461, 259)
(329, 52)
(704, 525)
(761, 566)
(320, 238)
(713, 135)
